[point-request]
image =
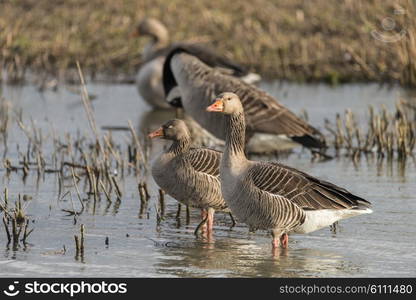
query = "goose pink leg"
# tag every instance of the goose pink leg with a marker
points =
(210, 220)
(284, 240)
(275, 243)
(204, 215)
(280, 239)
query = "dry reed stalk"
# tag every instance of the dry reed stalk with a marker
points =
(340, 133)
(6, 197)
(107, 195)
(76, 188)
(188, 215)
(82, 239)
(90, 180)
(26, 233)
(178, 212)
(60, 184)
(139, 155)
(95, 191)
(159, 218)
(77, 246)
(110, 147)
(162, 202)
(144, 184)
(88, 107)
(118, 190)
(349, 125)
(6, 228)
(15, 236)
(142, 192)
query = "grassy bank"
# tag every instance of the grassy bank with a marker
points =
(315, 40)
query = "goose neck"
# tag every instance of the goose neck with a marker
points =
(180, 146)
(156, 42)
(235, 136)
(160, 39)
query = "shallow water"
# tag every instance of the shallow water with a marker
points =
(380, 244)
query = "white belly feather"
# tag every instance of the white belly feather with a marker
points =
(317, 219)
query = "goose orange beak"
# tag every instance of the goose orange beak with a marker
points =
(217, 106)
(156, 133)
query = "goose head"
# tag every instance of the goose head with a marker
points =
(174, 130)
(151, 27)
(226, 103)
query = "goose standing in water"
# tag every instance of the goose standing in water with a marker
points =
(149, 77)
(269, 195)
(199, 83)
(189, 175)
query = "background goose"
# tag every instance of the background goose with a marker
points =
(191, 176)
(267, 195)
(199, 83)
(149, 76)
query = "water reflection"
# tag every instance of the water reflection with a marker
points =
(237, 257)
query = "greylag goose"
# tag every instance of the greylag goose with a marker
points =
(149, 76)
(189, 175)
(199, 83)
(269, 195)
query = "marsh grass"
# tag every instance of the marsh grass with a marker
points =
(15, 221)
(390, 135)
(90, 165)
(289, 39)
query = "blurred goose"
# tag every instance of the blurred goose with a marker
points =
(199, 83)
(189, 175)
(269, 195)
(149, 76)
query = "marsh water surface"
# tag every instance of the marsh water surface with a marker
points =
(380, 244)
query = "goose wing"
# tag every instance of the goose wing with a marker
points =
(305, 191)
(205, 161)
(203, 53)
(208, 56)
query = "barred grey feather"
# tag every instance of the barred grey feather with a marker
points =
(305, 191)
